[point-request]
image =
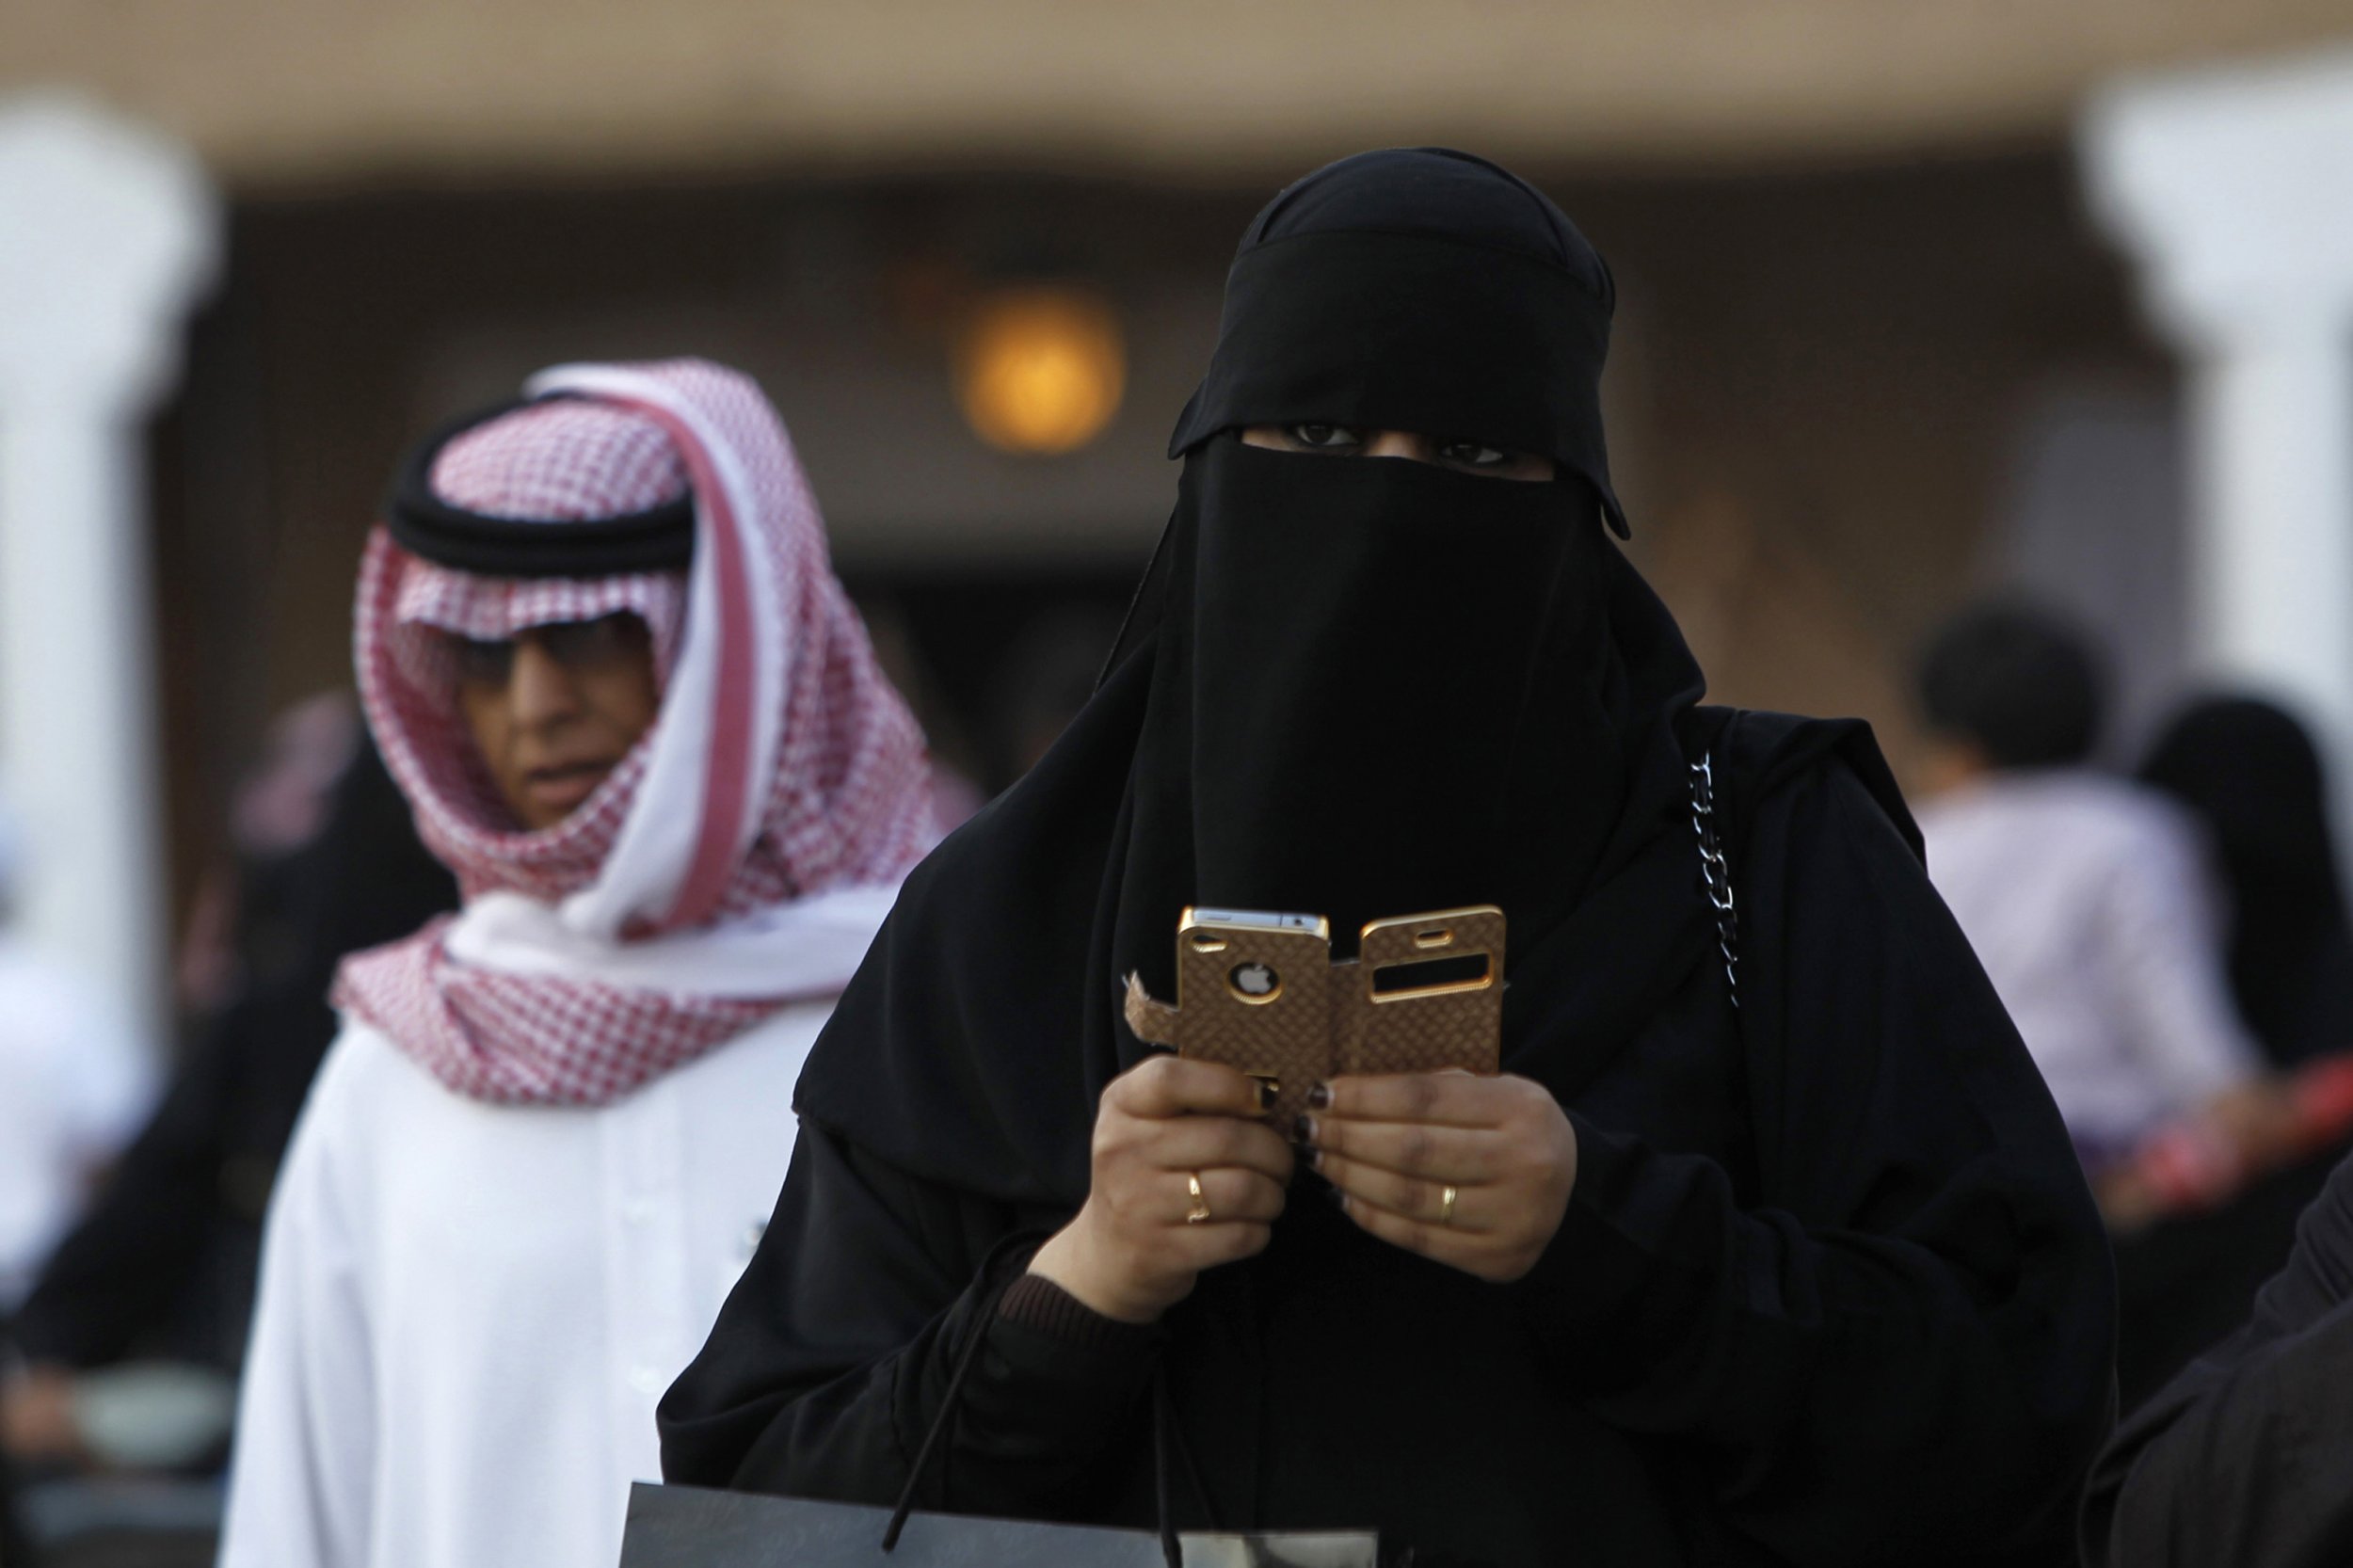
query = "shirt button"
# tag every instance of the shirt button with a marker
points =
(638, 1211)
(645, 1380)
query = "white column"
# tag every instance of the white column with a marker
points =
(2272, 505)
(2234, 191)
(107, 234)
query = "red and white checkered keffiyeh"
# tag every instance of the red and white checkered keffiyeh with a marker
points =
(783, 774)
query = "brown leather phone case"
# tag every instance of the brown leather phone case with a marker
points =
(1271, 1003)
(1257, 999)
(1425, 994)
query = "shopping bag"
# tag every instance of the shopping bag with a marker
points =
(684, 1527)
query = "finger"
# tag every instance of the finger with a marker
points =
(1173, 1086)
(1407, 1197)
(1201, 1247)
(1195, 1142)
(1458, 1155)
(1447, 1099)
(1439, 1243)
(1230, 1197)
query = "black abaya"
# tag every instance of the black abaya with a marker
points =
(1829, 1294)
(1829, 1289)
(2242, 1458)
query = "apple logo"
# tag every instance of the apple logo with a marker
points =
(1253, 980)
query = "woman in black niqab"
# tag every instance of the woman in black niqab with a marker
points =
(1828, 1287)
(2251, 774)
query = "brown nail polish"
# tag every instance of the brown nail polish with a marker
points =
(1266, 1095)
(1315, 1162)
(1320, 1097)
(1303, 1131)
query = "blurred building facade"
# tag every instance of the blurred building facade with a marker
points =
(1875, 351)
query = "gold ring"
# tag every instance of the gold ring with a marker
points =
(1445, 1206)
(1199, 1213)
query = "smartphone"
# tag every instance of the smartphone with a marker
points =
(1426, 995)
(1254, 991)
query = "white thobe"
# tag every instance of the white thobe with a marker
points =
(467, 1311)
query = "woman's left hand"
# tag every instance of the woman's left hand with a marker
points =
(1394, 1147)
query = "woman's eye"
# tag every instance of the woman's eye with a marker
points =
(1326, 438)
(1473, 454)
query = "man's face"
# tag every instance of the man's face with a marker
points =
(555, 710)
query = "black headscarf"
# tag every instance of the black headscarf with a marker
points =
(2251, 774)
(1355, 687)
(1421, 290)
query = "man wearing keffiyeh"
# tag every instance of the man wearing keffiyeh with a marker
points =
(606, 656)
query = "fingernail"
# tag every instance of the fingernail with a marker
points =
(1266, 1095)
(1339, 1199)
(1315, 1162)
(1320, 1098)
(1303, 1131)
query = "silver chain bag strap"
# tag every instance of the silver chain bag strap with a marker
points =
(1714, 875)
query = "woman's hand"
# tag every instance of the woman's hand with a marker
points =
(1130, 1253)
(1392, 1148)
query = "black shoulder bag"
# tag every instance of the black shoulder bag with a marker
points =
(681, 1527)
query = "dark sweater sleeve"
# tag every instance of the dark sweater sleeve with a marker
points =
(2247, 1457)
(1891, 1339)
(834, 1355)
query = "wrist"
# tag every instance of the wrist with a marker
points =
(1070, 1259)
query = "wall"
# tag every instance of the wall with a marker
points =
(278, 91)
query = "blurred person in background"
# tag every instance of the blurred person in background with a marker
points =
(1801, 1271)
(2086, 897)
(604, 653)
(281, 806)
(2251, 775)
(2090, 900)
(75, 1081)
(163, 1266)
(2250, 778)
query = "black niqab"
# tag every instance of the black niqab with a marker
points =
(1396, 691)
(1419, 289)
(1353, 687)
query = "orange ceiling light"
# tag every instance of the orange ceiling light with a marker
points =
(1040, 368)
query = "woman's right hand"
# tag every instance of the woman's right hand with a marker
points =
(1129, 1253)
